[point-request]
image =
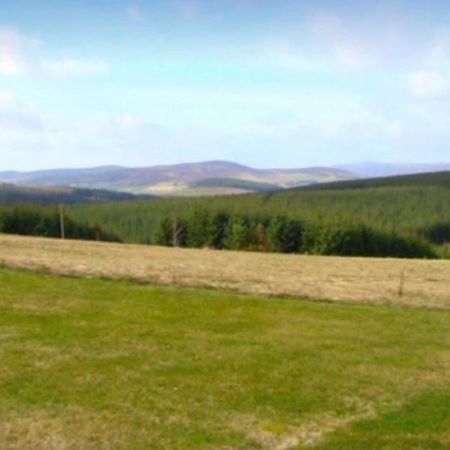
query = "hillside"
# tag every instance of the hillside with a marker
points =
(417, 206)
(374, 169)
(11, 194)
(404, 216)
(437, 179)
(206, 178)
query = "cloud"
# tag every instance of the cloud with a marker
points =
(18, 120)
(428, 83)
(66, 67)
(134, 13)
(331, 36)
(22, 131)
(282, 54)
(189, 9)
(348, 128)
(5, 98)
(16, 116)
(14, 50)
(380, 37)
(20, 56)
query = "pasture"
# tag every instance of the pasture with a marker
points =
(109, 364)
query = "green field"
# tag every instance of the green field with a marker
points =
(97, 364)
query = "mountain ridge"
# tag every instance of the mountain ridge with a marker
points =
(372, 169)
(178, 179)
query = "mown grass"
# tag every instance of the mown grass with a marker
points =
(112, 364)
(418, 283)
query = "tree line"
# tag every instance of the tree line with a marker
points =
(283, 234)
(206, 227)
(46, 222)
(423, 212)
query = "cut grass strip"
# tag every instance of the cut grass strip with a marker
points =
(418, 283)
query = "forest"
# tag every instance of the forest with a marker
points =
(32, 220)
(381, 217)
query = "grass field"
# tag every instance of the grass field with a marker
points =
(103, 364)
(360, 280)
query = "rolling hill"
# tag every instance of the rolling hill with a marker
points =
(376, 169)
(194, 179)
(11, 194)
(437, 179)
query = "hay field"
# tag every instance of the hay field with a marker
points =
(361, 280)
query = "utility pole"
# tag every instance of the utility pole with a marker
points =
(61, 220)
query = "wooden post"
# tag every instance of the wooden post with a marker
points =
(61, 221)
(401, 284)
(177, 229)
(174, 232)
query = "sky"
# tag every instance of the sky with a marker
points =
(267, 83)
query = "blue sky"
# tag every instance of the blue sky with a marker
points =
(265, 83)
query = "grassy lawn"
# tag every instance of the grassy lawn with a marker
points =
(111, 364)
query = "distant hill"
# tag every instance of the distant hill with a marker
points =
(374, 169)
(11, 194)
(205, 178)
(438, 179)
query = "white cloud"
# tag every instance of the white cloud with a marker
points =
(188, 9)
(14, 49)
(17, 116)
(342, 40)
(10, 65)
(282, 54)
(20, 55)
(428, 83)
(134, 13)
(5, 98)
(66, 67)
(383, 38)
(439, 48)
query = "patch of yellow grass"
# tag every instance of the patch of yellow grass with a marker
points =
(426, 283)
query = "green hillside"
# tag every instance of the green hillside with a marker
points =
(440, 179)
(405, 216)
(418, 207)
(244, 185)
(11, 194)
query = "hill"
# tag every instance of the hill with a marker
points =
(205, 178)
(437, 179)
(11, 194)
(374, 169)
